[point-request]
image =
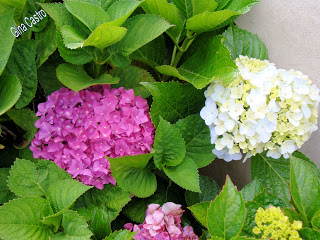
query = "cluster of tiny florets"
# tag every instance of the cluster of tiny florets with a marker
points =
(272, 223)
(78, 130)
(264, 109)
(162, 223)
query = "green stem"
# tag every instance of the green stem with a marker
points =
(97, 70)
(185, 45)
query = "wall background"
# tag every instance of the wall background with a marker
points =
(291, 31)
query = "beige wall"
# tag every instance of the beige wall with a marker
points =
(291, 31)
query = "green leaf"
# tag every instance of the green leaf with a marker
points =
(75, 227)
(71, 37)
(209, 190)
(76, 78)
(242, 6)
(216, 64)
(5, 193)
(26, 153)
(242, 42)
(10, 90)
(121, 235)
(105, 36)
(200, 211)
(130, 78)
(25, 118)
(251, 210)
(306, 160)
(316, 220)
(28, 179)
(267, 199)
(226, 214)
(22, 64)
(304, 188)
(196, 135)
(185, 7)
(47, 42)
(119, 11)
(20, 219)
(308, 233)
(293, 215)
(206, 21)
(47, 78)
(200, 6)
(141, 30)
(168, 11)
(7, 39)
(152, 53)
(251, 190)
(169, 146)
(185, 175)
(104, 4)
(131, 175)
(274, 174)
(91, 15)
(221, 4)
(29, 12)
(173, 101)
(64, 193)
(17, 5)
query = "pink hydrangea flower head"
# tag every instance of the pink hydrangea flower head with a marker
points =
(162, 223)
(78, 130)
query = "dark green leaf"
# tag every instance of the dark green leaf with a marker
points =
(306, 160)
(216, 64)
(22, 64)
(169, 145)
(308, 233)
(242, 42)
(196, 135)
(200, 211)
(251, 210)
(266, 200)
(209, 190)
(185, 175)
(251, 190)
(47, 78)
(5, 193)
(173, 101)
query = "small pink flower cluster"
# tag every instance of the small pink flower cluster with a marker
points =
(77, 130)
(162, 223)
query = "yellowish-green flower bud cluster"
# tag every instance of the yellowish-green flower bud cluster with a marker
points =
(273, 224)
(264, 109)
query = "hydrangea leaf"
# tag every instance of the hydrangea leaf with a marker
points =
(17, 5)
(105, 36)
(267, 199)
(226, 214)
(22, 64)
(209, 190)
(293, 215)
(24, 118)
(274, 174)
(29, 179)
(71, 37)
(196, 135)
(20, 219)
(167, 11)
(185, 175)
(91, 15)
(47, 78)
(216, 64)
(76, 78)
(306, 160)
(309, 233)
(5, 193)
(173, 101)
(222, 4)
(7, 39)
(64, 193)
(74, 226)
(130, 78)
(304, 188)
(131, 175)
(121, 235)
(141, 30)
(242, 42)
(10, 90)
(185, 7)
(316, 220)
(241, 6)
(251, 211)
(100, 222)
(53, 220)
(152, 53)
(30, 9)
(251, 190)
(201, 6)
(104, 4)
(119, 11)
(47, 42)
(208, 20)
(169, 146)
(200, 211)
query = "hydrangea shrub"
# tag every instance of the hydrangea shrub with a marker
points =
(77, 130)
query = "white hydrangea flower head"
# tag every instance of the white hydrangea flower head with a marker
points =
(264, 109)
